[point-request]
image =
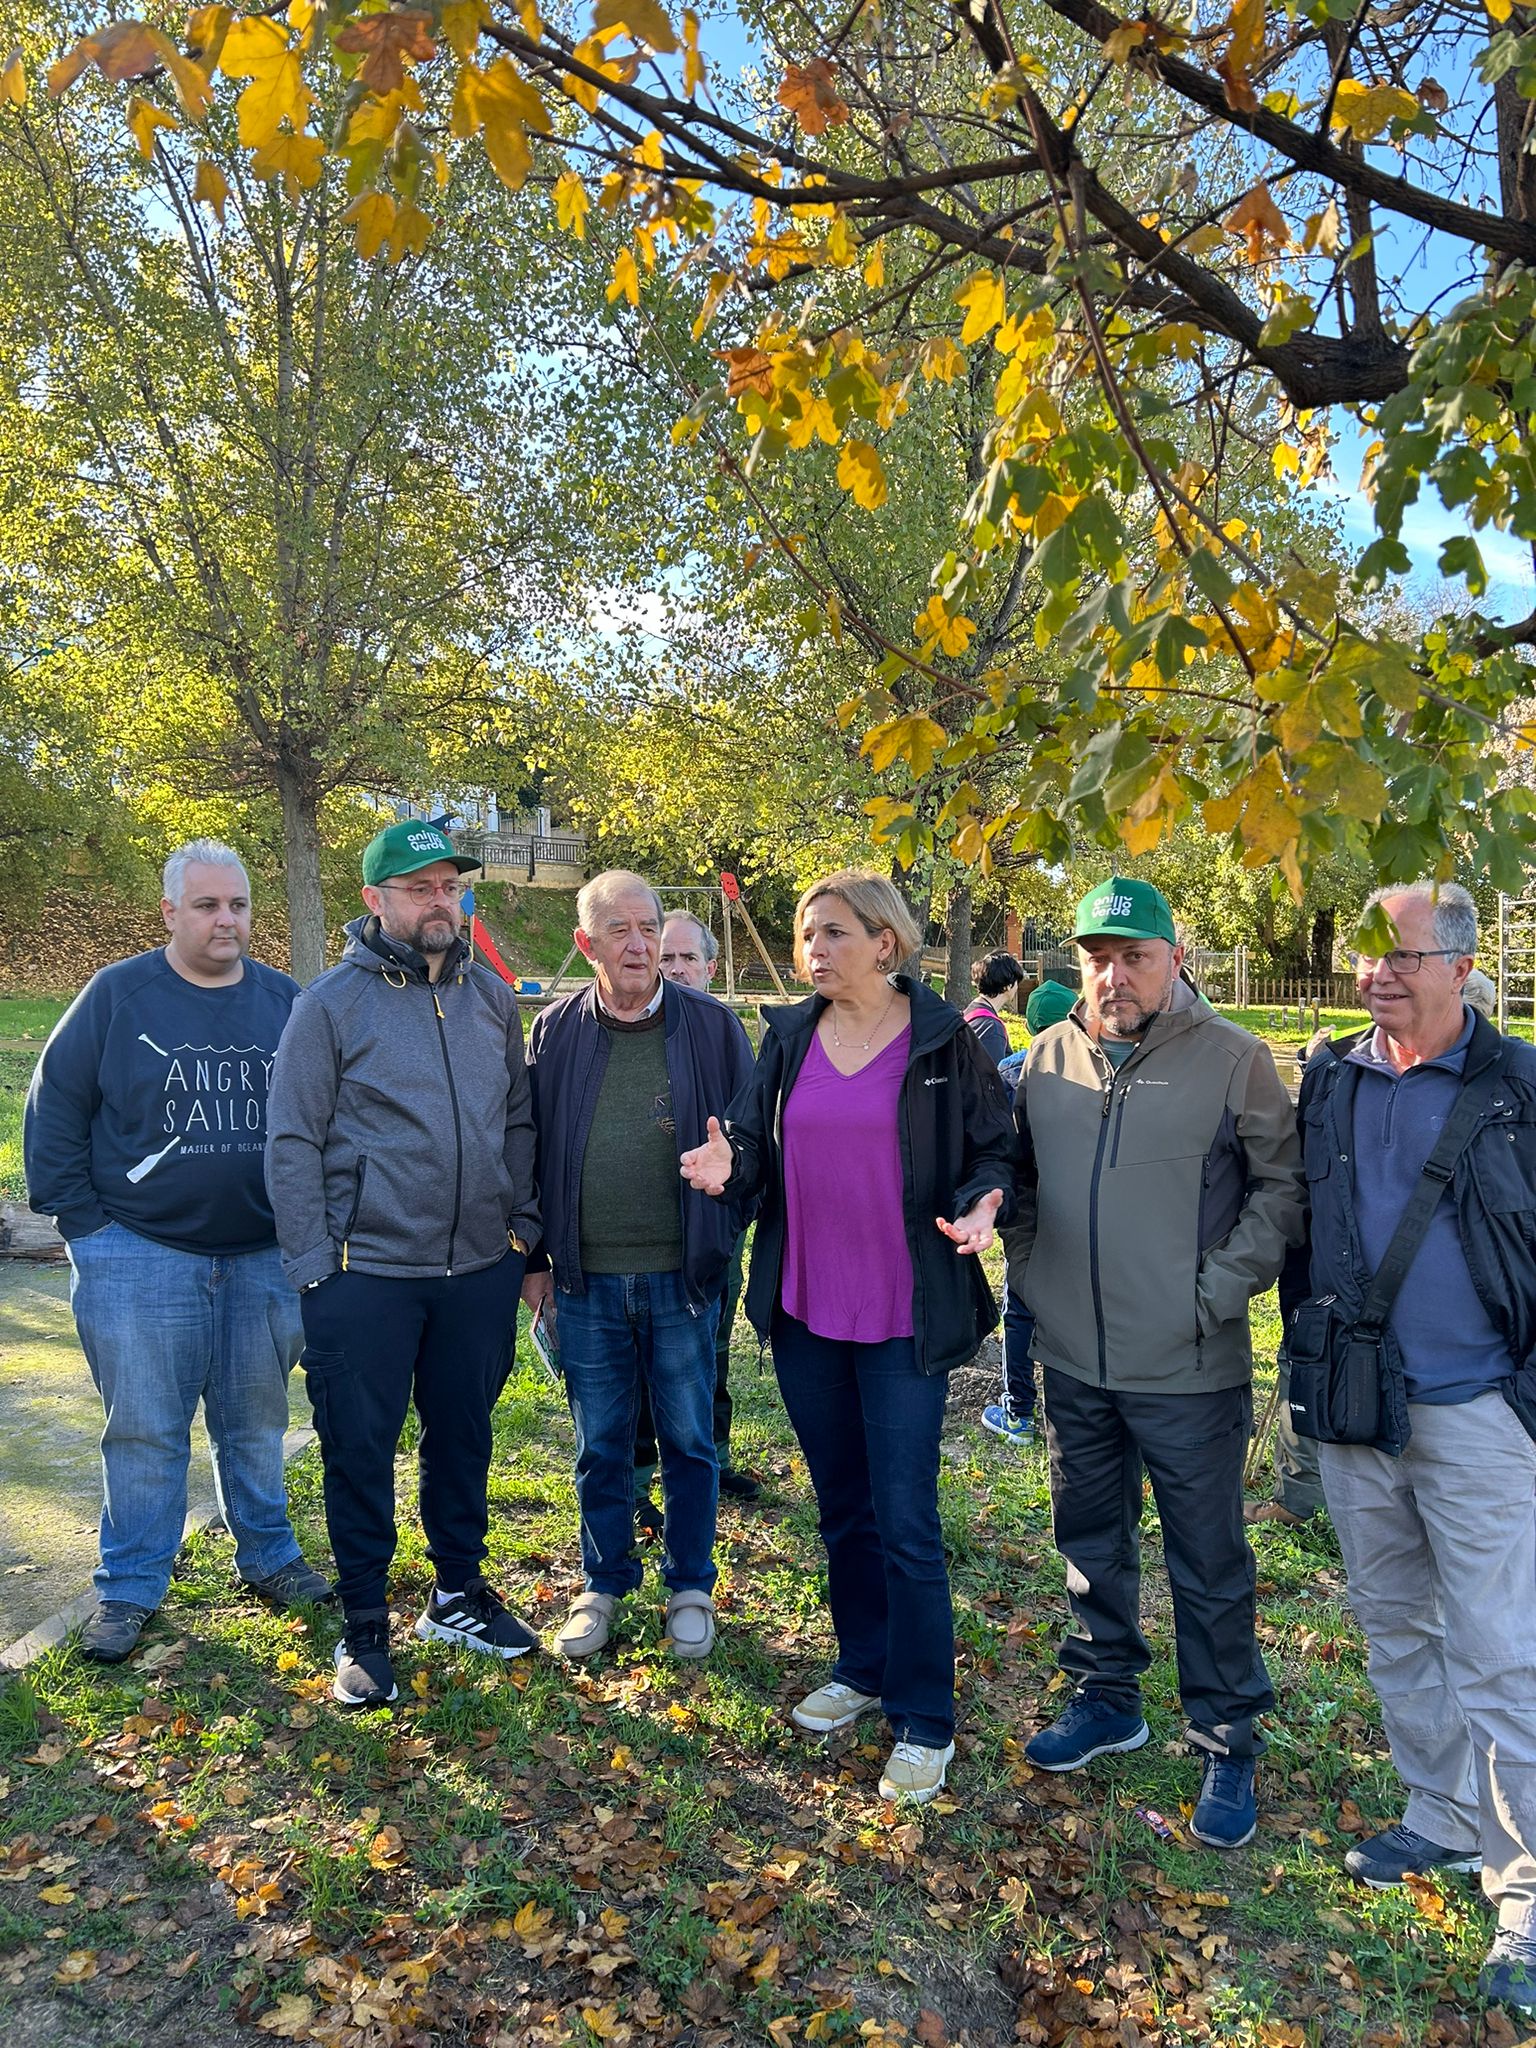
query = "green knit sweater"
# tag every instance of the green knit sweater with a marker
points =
(631, 1193)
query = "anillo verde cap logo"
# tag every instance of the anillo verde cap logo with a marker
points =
(1123, 908)
(408, 844)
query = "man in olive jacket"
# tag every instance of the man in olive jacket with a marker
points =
(1160, 1188)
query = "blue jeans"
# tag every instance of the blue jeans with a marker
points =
(869, 1423)
(628, 1331)
(160, 1330)
(1018, 1366)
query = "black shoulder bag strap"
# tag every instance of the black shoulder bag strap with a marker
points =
(1413, 1224)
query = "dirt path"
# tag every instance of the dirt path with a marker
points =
(50, 1470)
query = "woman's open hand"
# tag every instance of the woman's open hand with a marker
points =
(709, 1166)
(973, 1231)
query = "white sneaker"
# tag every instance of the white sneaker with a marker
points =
(915, 1773)
(832, 1706)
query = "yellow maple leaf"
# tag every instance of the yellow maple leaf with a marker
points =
(1120, 42)
(985, 302)
(841, 248)
(642, 20)
(501, 101)
(372, 215)
(56, 1895)
(859, 470)
(387, 43)
(915, 738)
(1367, 110)
(874, 266)
(648, 153)
(625, 281)
(941, 360)
(571, 204)
(719, 284)
(461, 22)
(1243, 54)
(76, 1967)
(144, 117)
(387, 1849)
(206, 29)
(409, 230)
(1152, 817)
(211, 187)
(13, 82)
(531, 1919)
(290, 2018)
(693, 62)
(286, 155)
(257, 48)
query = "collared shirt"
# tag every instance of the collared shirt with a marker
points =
(1451, 1350)
(649, 1011)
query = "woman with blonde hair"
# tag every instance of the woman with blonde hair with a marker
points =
(872, 1119)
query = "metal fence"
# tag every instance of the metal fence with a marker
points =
(508, 851)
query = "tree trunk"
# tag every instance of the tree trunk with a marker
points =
(957, 982)
(916, 886)
(301, 863)
(1322, 942)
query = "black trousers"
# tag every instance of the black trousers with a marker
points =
(1192, 1447)
(372, 1346)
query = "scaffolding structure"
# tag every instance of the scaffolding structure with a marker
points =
(1517, 960)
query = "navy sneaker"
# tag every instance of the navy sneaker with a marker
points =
(1390, 1858)
(1509, 1975)
(1226, 1814)
(1089, 1727)
(364, 1675)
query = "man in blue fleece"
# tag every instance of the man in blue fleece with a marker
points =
(144, 1132)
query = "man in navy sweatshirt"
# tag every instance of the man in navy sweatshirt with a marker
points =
(145, 1127)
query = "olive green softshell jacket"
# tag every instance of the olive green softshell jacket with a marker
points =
(1154, 1201)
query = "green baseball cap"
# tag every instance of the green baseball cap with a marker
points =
(1048, 1004)
(409, 844)
(1123, 909)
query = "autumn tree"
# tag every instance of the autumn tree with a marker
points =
(284, 494)
(1100, 198)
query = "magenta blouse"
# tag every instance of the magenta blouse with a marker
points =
(847, 1270)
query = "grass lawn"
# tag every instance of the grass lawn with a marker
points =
(646, 1851)
(25, 1021)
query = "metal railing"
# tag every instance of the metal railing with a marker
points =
(507, 850)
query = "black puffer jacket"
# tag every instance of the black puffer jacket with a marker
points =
(957, 1143)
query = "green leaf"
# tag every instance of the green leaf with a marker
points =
(1461, 556)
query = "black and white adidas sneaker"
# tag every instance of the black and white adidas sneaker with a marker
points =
(476, 1619)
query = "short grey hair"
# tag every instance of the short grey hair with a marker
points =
(204, 853)
(709, 945)
(1455, 914)
(606, 888)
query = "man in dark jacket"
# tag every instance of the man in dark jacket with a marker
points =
(1162, 1187)
(1437, 1519)
(400, 1164)
(143, 1136)
(624, 1076)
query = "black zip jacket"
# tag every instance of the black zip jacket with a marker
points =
(957, 1144)
(1493, 1187)
(709, 1058)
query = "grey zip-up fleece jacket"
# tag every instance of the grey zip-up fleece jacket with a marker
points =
(400, 1121)
(1155, 1201)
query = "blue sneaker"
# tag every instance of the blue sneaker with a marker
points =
(1007, 1423)
(1509, 1975)
(1226, 1814)
(1088, 1727)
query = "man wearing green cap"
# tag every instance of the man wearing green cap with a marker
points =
(400, 1162)
(1160, 1189)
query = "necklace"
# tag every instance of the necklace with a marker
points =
(868, 1042)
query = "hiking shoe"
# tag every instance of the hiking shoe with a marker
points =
(1007, 1423)
(113, 1631)
(834, 1705)
(1226, 1814)
(476, 1619)
(295, 1585)
(744, 1485)
(649, 1520)
(587, 1625)
(1393, 1856)
(1272, 1511)
(690, 1623)
(1087, 1727)
(1509, 1975)
(914, 1772)
(364, 1675)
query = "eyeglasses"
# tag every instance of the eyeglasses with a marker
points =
(1400, 960)
(423, 892)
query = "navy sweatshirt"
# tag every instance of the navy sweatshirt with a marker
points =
(149, 1107)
